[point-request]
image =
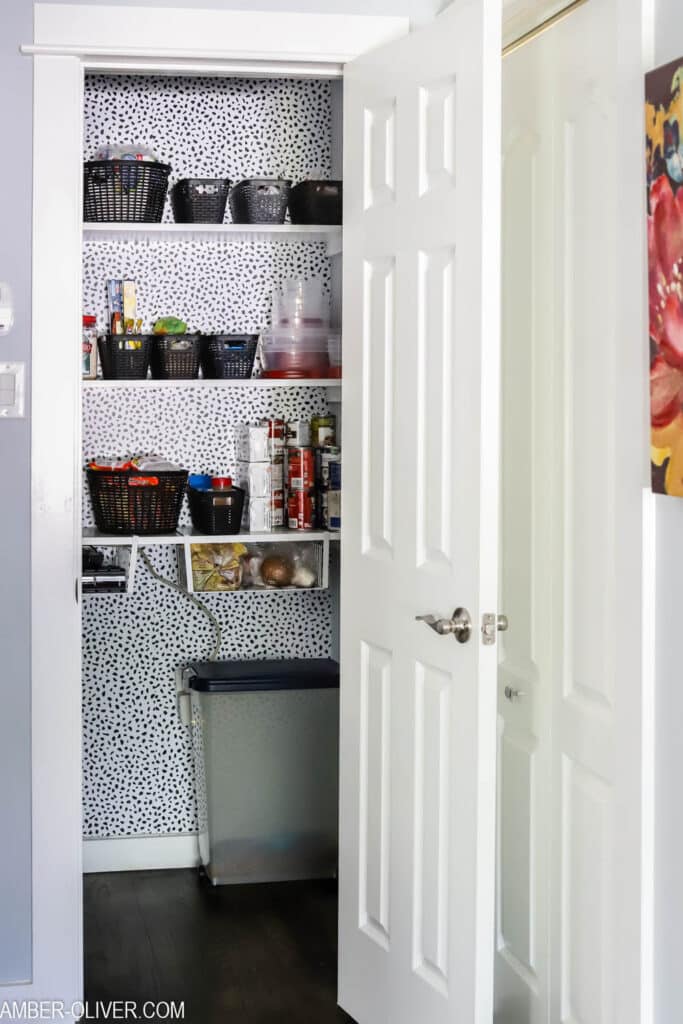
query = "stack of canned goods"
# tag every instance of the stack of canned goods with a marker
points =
(304, 455)
(314, 474)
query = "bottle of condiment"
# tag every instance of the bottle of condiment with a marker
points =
(89, 342)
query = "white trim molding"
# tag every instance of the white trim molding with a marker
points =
(170, 34)
(140, 853)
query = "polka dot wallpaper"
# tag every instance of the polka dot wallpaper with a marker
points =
(137, 757)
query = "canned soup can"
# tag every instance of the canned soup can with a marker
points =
(323, 430)
(301, 469)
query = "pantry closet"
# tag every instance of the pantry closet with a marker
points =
(138, 772)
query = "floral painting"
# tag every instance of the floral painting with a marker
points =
(664, 153)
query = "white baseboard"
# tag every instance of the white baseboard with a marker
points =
(138, 853)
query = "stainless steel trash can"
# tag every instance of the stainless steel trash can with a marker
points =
(266, 752)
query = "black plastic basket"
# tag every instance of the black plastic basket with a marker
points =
(228, 356)
(175, 356)
(316, 202)
(260, 201)
(136, 501)
(124, 191)
(215, 512)
(200, 200)
(125, 356)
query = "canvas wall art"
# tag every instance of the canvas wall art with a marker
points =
(664, 155)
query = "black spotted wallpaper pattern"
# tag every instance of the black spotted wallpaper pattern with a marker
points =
(137, 757)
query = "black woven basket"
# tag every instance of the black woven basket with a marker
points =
(200, 200)
(228, 356)
(260, 201)
(316, 202)
(175, 356)
(136, 501)
(121, 191)
(124, 356)
(215, 512)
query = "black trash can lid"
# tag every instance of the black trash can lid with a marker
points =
(249, 676)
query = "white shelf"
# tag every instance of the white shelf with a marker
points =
(186, 534)
(332, 236)
(268, 383)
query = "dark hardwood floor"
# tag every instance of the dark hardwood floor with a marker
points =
(253, 954)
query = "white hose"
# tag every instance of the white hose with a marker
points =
(195, 601)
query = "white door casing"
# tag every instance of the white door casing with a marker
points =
(420, 441)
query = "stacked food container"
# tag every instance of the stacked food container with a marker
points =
(299, 342)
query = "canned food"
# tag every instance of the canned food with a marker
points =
(334, 510)
(322, 509)
(335, 475)
(325, 458)
(301, 510)
(334, 497)
(276, 437)
(298, 434)
(323, 430)
(277, 507)
(301, 469)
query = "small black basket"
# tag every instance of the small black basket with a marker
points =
(216, 512)
(228, 356)
(124, 191)
(175, 356)
(316, 202)
(125, 356)
(136, 501)
(260, 201)
(200, 200)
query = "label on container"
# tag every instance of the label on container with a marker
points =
(300, 511)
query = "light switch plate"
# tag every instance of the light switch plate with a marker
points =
(12, 386)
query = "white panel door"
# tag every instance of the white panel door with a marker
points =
(420, 439)
(526, 677)
(570, 484)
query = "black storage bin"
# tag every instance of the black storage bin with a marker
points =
(316, 202)
(136, 501)
(260, 201)
(216, 512)
(228, 356)
(124, 191)
(175, 356)
(125, 356)
(200, 200)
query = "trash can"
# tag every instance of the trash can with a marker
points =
(265, 737)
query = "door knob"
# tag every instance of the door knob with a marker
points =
(460, 625)
(512, 694)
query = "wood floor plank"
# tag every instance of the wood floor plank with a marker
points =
(249, 954)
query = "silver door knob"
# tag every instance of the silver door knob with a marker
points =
(460, 625)
(512, 694)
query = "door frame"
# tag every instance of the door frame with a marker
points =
(68, 41)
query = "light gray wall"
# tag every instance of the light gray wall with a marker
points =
(15, 266)
(668, 952)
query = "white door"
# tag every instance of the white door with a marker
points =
(420, 439)
(529, 467)
(567, 922)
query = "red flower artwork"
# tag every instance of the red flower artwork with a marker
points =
(664, 115)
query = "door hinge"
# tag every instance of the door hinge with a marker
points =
(490, 625)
